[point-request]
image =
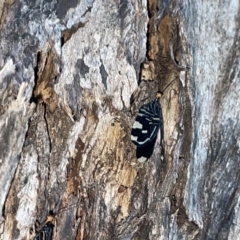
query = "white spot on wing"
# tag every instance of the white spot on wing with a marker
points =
(147, 139)
(133, 138)
(142, 159)
(137, 125)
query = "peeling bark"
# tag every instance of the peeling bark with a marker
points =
(73, 76)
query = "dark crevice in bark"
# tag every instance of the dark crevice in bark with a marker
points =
(121, 96)
(104, 75)
(36, 70)
(47, 128)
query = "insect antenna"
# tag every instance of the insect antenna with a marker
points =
(63, 209)
(161, 92)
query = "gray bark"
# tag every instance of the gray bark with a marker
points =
(73, 76)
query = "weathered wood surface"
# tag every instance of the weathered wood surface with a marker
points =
(73, 75)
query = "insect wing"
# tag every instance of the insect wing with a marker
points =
(144, 153)
(48, 231)
(147, 123)
(45, 233)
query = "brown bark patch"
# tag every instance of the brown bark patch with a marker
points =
(164, 29)
(73, 169)
(45, 75)
(67, 34)
(4, 6)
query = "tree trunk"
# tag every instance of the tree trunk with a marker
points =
(73, 77)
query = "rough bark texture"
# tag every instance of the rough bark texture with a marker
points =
(73, 76)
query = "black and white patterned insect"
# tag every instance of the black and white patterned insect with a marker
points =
(43, 231)
(146, 127)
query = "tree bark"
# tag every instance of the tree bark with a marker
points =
(73, 76)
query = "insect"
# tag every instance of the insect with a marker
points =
(146, 127)
(43, 231)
